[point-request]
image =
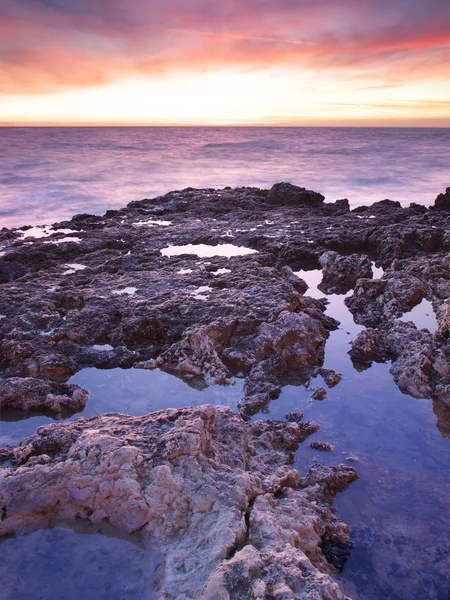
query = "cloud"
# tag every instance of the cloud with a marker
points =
(50, 44)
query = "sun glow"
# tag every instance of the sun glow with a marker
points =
(227, 97)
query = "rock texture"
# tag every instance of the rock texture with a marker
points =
(98, 291)
(211, 490)
(36, 395)
(420, 359)
(229, 520)
(340, 273)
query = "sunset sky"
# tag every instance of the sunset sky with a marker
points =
(256, 62)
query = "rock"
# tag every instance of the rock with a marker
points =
(220, 317)
(420, 366)
(256, 527)
(331, 377)
(375, 302)
(322, 446)
(442, 201)
(30, 394)
(294, 417)
(340, 273)
(286, 194)
(320, 393)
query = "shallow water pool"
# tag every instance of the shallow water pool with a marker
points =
(129, 391)
(63, 564)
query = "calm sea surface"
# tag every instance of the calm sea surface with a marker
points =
(49, 174)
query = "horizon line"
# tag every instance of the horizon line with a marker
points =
(432, 125)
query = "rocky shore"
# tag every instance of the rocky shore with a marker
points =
(213, 490)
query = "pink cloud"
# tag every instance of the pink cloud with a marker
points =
(48, 45)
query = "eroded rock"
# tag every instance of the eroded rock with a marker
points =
(228, 519)
(36, 395)
(340, 273)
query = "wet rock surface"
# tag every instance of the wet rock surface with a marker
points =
(420, 359)
(228, 519)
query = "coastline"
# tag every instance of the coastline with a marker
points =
(98, 292)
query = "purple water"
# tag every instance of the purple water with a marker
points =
(76, 561)
(50, 174)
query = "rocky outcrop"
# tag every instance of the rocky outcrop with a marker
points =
(420, 359)
(286, 194)
(442, 201)
(36, 395)
(229, 520)
(98, 292)
(340, 273)
(420, 366)
(375, 302)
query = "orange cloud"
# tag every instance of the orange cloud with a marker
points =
(49, 45)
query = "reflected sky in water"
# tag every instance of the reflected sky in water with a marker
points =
(398, 510)
(62, 564)
(129, 391)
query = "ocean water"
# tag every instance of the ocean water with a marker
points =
(50, 174)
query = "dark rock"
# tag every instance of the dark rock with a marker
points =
(320, 393)
(29, 394)
(294, 417)
(322, 446)
(340, 273)
(336, 552)
(286, 194)
(442, 201)
(330, 376)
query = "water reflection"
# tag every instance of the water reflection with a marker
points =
(129, 391)
(64, 564)
(207, 251)
(423, 316)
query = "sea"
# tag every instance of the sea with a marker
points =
(48, 174)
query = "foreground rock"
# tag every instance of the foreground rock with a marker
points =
(230, 520)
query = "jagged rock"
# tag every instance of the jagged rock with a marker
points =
(29, 394)
(419, 366)
(125, 294)
(340, 273)
(228, 520)
(442, 201)
(375, 302)
(320, 393)
(294, 416)
(330, 376)
(286, 194)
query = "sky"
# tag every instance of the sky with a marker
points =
(225, 62)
